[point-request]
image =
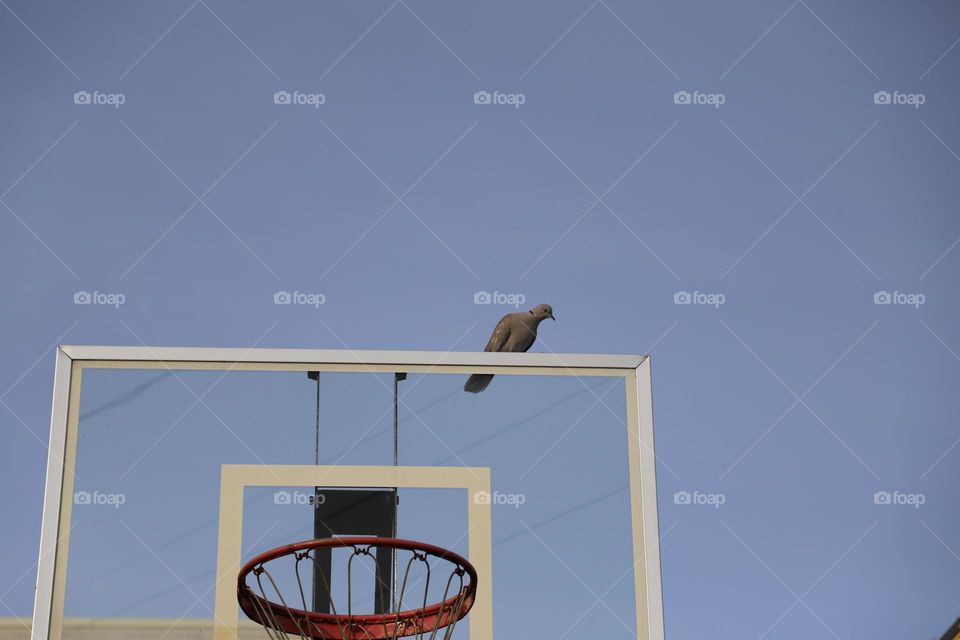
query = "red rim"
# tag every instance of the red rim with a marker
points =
(328, 626)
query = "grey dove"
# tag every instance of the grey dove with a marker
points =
(515, 333)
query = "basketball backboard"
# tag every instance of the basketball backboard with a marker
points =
(170, 467)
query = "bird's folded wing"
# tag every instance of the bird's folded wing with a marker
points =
(500, 335)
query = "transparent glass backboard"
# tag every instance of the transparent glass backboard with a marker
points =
(144, 466)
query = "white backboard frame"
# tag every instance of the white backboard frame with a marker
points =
(71, 360)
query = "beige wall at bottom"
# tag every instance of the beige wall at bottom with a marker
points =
(128, 629)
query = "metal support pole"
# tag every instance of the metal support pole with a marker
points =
(397, 378)
(319, 595)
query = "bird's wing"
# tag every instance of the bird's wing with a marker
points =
(500, 335)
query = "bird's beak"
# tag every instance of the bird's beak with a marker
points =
(552, 318)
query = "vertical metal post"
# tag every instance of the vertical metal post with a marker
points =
(397, 377)
(316, 423)
(320, 598)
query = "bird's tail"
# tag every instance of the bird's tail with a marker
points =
(477, 382)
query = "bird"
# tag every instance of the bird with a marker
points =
(515, 333)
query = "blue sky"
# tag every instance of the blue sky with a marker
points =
(606, 193)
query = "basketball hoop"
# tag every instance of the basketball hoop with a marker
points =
(279, 618)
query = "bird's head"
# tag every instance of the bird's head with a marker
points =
(543, 311)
